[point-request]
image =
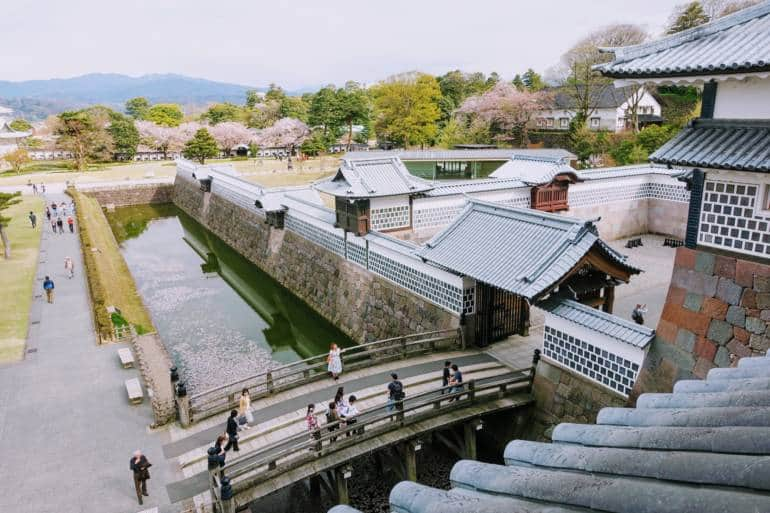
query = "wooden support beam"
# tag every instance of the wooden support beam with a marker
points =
(315, 486)
(452, 446)
(342, 486)
(609, 299)
(469, 429)
(410, 461)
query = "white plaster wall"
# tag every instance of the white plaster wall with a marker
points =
(619, 219)
(389, 201)
(743, 99)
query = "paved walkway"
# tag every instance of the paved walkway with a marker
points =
(67, 431)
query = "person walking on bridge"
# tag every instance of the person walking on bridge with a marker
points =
(140, 467)
(456, 381)
(446, 374)
(232, 432)
(335, 361)
(395, 392)
(245, 416)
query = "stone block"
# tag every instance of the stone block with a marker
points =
(738, 349)
(705, 348)
(755, 325)
(704, 263)
(763, 300)
(702, 367)
(720, 331)
(714, 308)
(693, 301)
(729, 291)
(749, 298)
(685, 258)
(764, 315)
(681, 360)
(693, 321)
(722, 358)
(696, 282)
(724, 267)
(549, 372)
(741, 334)
(745, 272)
(685, 340)
(666, 331)
(762, 283)
(759, 343)
(736, 316)
(675, 295)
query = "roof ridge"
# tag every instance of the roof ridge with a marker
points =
(639, 328)
(624, 53)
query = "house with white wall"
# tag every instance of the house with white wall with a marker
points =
(611, 109)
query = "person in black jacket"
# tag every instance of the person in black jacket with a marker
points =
(445, 376)
(139, 466)
(232, 432)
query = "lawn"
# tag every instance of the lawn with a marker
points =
(109, 279)
(17, 277)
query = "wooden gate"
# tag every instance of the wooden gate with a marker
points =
(499, 314)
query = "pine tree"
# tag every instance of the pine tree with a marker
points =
(201, 146)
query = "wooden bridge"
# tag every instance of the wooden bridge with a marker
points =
(281, 451)
(225, 397)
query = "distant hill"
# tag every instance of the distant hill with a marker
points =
(37, 98)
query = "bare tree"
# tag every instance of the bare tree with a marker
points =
(576, 73)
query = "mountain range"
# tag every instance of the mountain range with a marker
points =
(36, 99)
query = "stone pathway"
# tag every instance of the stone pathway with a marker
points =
(67, 431)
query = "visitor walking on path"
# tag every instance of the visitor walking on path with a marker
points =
(60, 225)
(48, 286)
(456, 381)
(638, 313)
(54, 210)
(53, 225)
(395, 392)
(48, 212)
(445, 376)
(33, 219)
(312, 425)
(69, 266)
(245, 417)
(335, 361)
(42, 187)
(232, 432)
(140, 467)
(71, 223)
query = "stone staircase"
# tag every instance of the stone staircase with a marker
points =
(704, 448)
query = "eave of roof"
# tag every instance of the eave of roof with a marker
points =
(742, 145)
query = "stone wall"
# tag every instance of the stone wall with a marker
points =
(717, 306)
(361, 304)
(154, 364)
(131, 194)
(563, 396)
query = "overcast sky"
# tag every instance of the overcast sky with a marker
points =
(300, 43)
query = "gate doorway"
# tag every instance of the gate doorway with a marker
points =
(499, 314)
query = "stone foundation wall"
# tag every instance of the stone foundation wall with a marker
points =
(562, 396)
(717, 306)
(131, 194)
(363, 305)
(154, 364)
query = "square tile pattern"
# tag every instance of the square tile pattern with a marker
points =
(390, 217)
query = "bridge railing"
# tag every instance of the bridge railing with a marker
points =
(252, 469)
(225, 397)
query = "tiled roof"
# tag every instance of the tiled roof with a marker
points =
(372, 177)
(606, 98)
(533, 170)
(450, 188)
(721, 144)
(599, 321)
(601, 173)
(520, 250)
(701, 449)
(737, 43)
(483, 154)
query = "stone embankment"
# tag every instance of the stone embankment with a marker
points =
(154, 364)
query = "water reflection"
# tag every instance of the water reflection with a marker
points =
(219, 315)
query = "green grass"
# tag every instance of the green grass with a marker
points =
(17, 277)
(109, 279)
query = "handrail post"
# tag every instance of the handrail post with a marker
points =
(535, 360)
(472, 390)
(269, 382)
(403, 348)
(400, 411)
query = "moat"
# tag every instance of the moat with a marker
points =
(219, 316)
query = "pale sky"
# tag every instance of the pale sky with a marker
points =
(300, 43)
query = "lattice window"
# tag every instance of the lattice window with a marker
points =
(357, 253)
(469, 300)
(730, 219)
(590, 361)
(390, 217)
(588, 196)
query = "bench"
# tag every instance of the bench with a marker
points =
(634, 243)
(134, 389)
(673, 243)
(126, 357)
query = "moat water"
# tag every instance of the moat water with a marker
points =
(220, 316)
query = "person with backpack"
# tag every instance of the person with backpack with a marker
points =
(395, 392)
(48, 286)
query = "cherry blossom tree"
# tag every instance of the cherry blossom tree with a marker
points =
(162, 138)
(505, 109)
(230, 134)
(286, 133)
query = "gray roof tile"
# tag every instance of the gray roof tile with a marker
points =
(738, 43)
(372, 177)
(534, 170)
(521, 250)
(722, 144)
